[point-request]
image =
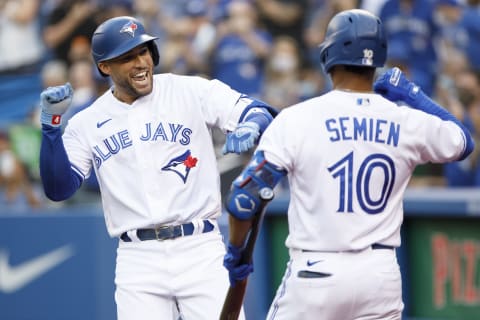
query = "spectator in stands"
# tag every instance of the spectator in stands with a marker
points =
(17, 189)
(314, 33)
(282, 79)
(68, 23)
(410, 24)
(464, 99)
(107, 9)
(238, 55)
(21, 57)
(453, 62)
(284, 17)
(185, 31)
(178, 53)
(22, 50)
(458, 89)
(461, 27)
(203, 32)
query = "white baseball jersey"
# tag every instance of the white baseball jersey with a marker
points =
(154, 159)
(349, 158)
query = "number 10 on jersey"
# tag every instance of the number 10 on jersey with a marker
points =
(371, 185)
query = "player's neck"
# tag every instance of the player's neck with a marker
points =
(352, 88)
(354, 82)
(125, 98)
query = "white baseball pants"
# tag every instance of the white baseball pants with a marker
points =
(183, 278)
(362, 285)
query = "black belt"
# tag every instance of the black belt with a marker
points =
(168, 232)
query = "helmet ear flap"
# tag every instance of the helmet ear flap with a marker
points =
(152, 46)
(324, 56)
(102, 73)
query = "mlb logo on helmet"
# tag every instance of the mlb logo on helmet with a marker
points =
(129, 28)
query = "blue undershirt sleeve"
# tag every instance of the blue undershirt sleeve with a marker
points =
(59, 181)
(260, 113)
(419, 100)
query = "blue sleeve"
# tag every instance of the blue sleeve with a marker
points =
(421, 101)
(59, 181)
(262, 115)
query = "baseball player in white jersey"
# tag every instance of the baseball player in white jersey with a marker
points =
(348, 155)
(148, 140)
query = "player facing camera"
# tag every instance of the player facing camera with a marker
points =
(119, 35)
(123, 50)
(148, 141)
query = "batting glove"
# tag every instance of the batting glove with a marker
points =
(54, 101)
(394, 86)
(236, 272)
(242, 138)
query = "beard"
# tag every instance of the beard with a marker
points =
(132, 88)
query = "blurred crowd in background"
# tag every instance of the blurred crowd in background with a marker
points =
(265, 48)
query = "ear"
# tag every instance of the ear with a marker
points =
(104, 68)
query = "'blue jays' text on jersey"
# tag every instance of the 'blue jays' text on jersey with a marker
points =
(154, 159)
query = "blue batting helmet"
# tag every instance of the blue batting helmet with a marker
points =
(119, 35)
(354, 37)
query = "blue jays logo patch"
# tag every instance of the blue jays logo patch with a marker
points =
(129, 28)
(182, 165)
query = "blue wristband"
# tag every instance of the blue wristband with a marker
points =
(263, 119)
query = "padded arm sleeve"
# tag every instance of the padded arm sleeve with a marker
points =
(243, 200)
(59, 181)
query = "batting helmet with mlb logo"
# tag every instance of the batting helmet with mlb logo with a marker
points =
(354, 37)
(119, 35)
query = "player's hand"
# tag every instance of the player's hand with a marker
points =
(394, 86)
(242, 138)
(54, 101)
(236, 272)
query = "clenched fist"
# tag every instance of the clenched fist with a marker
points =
(54, 101)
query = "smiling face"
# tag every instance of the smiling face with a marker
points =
(131, 73)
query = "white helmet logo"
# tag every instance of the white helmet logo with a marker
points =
(129, 28)
(367, 57)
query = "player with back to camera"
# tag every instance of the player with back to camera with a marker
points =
(348, 155)
(148, 140)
